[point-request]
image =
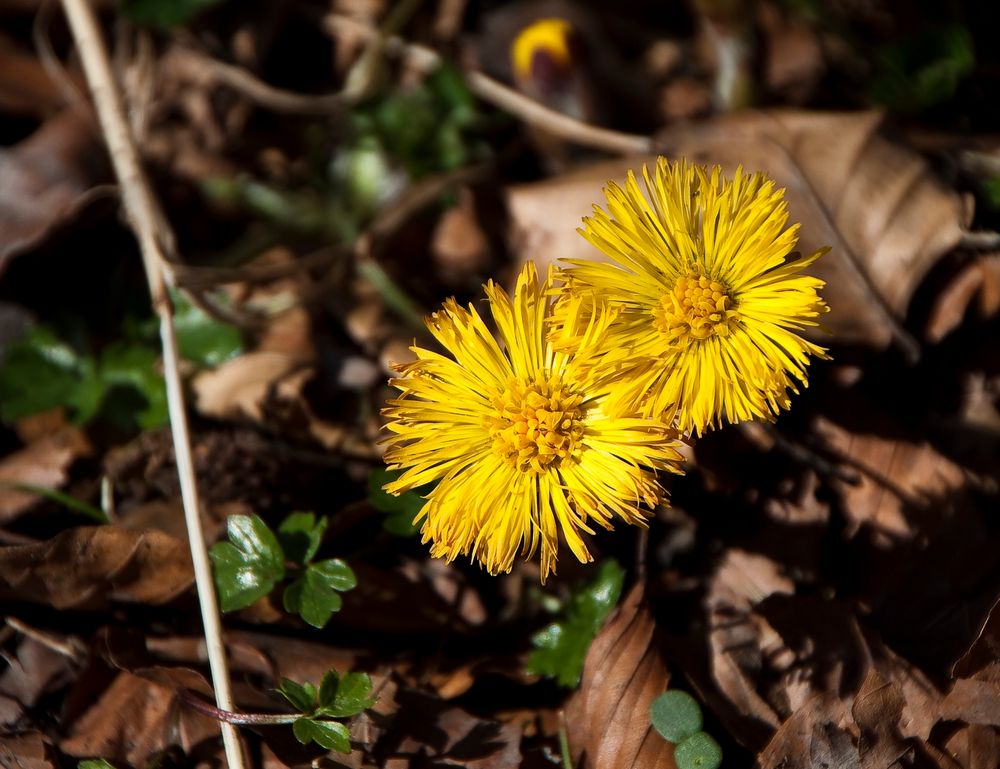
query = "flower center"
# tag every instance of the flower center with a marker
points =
(695, 309)
(537, 424)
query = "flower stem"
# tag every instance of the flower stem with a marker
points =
(239, 719)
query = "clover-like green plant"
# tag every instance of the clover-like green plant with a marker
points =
(255, 560)
(676, 715)
(337, 697)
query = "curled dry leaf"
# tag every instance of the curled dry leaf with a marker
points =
(37, 670)
(876, 203)
(975, 287)
(137, 717)
(607, 719)
(48, 178)
(739, 638)
(88, 566)
(43, 463)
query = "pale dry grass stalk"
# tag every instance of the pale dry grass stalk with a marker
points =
(144, 215)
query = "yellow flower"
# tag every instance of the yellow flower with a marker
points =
(517, 436)
(710, 298)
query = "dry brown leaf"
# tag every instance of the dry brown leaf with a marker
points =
(43, 463)
(135, 718)
(976, 286)
(984, 649)
(88, 566)
(47, 178)
(459, 244)
(812, 737)
(240, 387)
(975, 747)
(428, 732)
(25, 751)
(607, 719)
(877, 204)
(895, 474)
(37, 670)
(739, 638)
(973, 702)
(877, 709)
(26, 87)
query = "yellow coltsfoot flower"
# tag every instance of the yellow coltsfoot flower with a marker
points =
(517, 436)
(709, 297)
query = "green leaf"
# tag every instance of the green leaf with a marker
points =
(94, 763)
(340, 697)
(676, 715)
(59, 497)
(39, 372)
(249, 565)
(303, 697)
(923, 71)
(327, 734)
(125, 364)
(699, 751)
(300, 535)
(124, 385)
(164, 13)
(335, 574)
(202, 339)
(561, 647)
(401, 509)
(314, 595)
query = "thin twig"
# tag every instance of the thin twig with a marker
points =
(73, 648)
(980, 240)
(485, 87)
(149, 227)
(203, 69)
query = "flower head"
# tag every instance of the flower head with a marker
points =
(710, 297)
(517, 436)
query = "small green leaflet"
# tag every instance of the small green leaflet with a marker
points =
(94, 763)
(303, 697)
(344, 696)
(561, 648)
(331, 735)
(300, 535)
(249, 565)
(314, 595)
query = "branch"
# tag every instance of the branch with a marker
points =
(153, 236)
(504, 97)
